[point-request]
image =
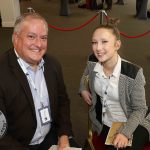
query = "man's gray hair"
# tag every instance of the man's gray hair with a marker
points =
(24, 17)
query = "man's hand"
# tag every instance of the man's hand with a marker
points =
(120, 141)
(63, 142)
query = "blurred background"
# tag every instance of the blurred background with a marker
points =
(71, 48)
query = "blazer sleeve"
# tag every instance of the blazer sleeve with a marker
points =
(84, 82)
(62, 117)
(137, 105)
(7, 142)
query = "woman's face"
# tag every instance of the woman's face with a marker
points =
(105, 45)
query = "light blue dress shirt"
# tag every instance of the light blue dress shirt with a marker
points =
(40, 95)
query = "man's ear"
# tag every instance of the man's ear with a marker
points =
(15, 36)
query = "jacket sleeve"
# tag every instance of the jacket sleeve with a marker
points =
(84, 82)
(137, 105)
(7, 142)
(64, 126)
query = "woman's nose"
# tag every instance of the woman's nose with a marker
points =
(99, 46)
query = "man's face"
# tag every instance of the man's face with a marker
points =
(31, 42)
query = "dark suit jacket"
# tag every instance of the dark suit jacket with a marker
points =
(16, 101)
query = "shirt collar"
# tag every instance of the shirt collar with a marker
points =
(27, 66)
(117, 68)
(99, 68)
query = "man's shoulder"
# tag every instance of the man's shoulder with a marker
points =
(4, 57)
(51, 61)
(50, 58)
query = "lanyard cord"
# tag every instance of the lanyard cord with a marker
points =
(31, 80)
(26, 73)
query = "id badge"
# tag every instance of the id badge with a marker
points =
(44, 114)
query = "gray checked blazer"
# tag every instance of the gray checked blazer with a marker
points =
(131, 96)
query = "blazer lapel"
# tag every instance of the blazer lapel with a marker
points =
(21, 78)
(50, 83)
(121, 88)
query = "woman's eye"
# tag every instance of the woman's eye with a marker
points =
(93, 43)
(104, 41)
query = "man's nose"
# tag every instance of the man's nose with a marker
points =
(38, 42)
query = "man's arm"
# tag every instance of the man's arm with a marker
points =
(7, 142)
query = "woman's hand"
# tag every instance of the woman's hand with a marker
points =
(86, 95)
(63, 142)
(120, 141)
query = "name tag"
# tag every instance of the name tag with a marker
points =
(44, 114)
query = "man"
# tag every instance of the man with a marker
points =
(33, 97)
(141, 9)
(109, 4)
(120, 2)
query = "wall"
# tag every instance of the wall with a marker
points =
(10, 9)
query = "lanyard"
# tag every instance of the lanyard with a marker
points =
(26, 73)
(31, 80)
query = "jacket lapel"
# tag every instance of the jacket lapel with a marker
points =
(50, 83)
(21, 78)
(121, 88)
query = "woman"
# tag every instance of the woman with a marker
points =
(114, 89)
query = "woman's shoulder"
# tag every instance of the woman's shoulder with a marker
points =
(129, 69)
(92, 58)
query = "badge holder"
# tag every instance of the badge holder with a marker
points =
(44, 114)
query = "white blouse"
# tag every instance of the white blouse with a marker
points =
(107, 89)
